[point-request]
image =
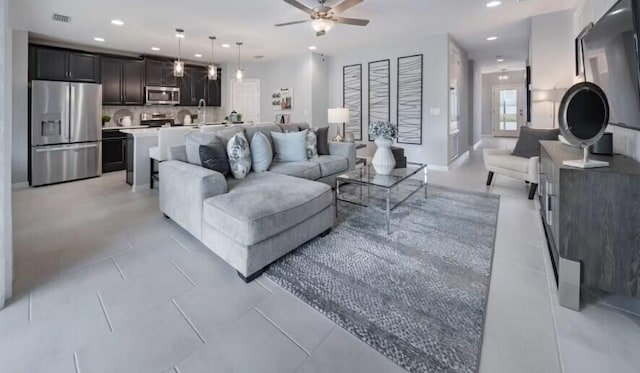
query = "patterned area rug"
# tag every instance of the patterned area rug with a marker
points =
(419, 295)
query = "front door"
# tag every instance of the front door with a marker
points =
(508, 110)
(245, 99)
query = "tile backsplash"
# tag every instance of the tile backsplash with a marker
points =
(213, 114)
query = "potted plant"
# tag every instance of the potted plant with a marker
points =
(384, 133)
(106, 119)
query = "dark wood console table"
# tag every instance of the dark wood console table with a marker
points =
(592, 222)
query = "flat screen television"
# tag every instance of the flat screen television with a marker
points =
(610, 52)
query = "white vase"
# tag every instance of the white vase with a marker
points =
(383, 161)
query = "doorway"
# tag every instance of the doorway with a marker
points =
(245, 99)
(508, 110)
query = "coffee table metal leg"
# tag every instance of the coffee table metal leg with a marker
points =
(388, 210)
(337, 195)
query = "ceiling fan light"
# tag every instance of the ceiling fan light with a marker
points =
(322, 25)
(212, 72)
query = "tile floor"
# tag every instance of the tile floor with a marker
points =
(105, 284)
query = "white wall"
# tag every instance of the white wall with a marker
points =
(435, 50)
(319, 89)
(625, 141)
(551, 54)
(20, 105)
(478, 125)
(6, 253)
(490, 80)
(294, 73)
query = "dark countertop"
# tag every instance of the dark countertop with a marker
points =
(618, 164)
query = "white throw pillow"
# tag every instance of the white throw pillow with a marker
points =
(239, 155)
(290, 147)
(261, 152)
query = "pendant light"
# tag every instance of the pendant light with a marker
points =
(212, 70)
(178, 65)
(239, 70)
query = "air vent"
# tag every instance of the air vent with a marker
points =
(258, 57)
(61, 18)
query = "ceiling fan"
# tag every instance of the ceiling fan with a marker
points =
(323, 17)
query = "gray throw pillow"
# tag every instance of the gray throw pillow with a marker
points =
(290, 147)
(214, 157)
(261, 152)
(528, 144)
(322, 135)
(311, 144)
(239, 155)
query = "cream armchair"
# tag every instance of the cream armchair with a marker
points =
(500, 161)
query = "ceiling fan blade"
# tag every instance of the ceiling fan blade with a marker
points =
(351, 21)
(300, 6)
(346, 4)
(292, 23)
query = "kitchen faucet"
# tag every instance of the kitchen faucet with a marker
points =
(202, 113)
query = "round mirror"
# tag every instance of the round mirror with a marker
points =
(583, 114)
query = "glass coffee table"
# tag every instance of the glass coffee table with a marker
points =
(367, 178)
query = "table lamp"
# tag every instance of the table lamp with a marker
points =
(337, 116)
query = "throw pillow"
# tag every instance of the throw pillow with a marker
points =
(261, 152)
(286, 128)
(311, 143)
(322, 135)
(528, 144)
(290, 147)
(239, 156)
(214, 157)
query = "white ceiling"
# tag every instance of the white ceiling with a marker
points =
(152, 22)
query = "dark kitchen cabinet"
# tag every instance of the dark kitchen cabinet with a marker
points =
(114, 151)
(193, 86)
(122, 81)
(187, 93)
(133, 82)
(65, 65)
(200, 82)
(154, 72)
(84, 67)
(214, 91)
(111, 81)
(160, 73)
(51, 64)
(168, 80)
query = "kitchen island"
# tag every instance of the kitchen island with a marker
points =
(139, 140)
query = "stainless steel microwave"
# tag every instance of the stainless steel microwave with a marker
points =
(162, 95)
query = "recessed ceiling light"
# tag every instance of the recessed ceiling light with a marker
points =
(500, 60)
(155, 49)
(197, 55)
(313, 47)
(225, 45)
(492, 38)
(617, 12)
(98, 39)
(117, 22)
(493, 4)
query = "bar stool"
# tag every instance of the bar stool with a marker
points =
(167, 137)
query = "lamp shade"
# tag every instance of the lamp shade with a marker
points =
(338, 115)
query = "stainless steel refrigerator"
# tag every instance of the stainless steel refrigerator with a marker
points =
(66, 131)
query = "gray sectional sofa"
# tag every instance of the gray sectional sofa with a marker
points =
(252, 222)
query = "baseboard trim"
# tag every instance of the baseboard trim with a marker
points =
(22, 185)
(140, 187)
(476, 145)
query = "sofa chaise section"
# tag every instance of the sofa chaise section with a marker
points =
(264, 217)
